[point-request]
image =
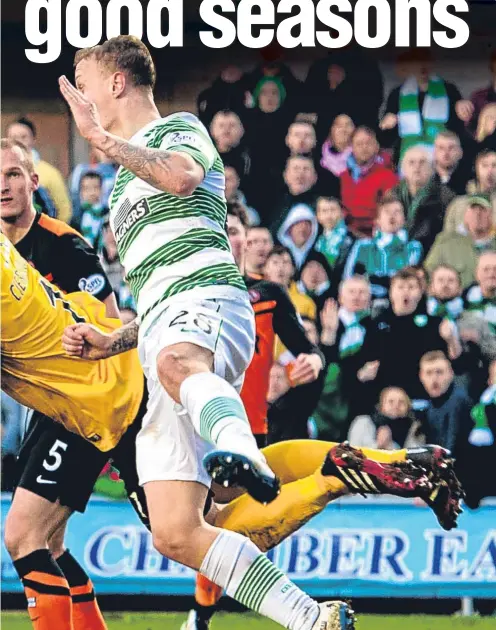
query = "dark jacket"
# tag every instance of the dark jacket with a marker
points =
(362, 76)
(399, 342)
(219, 96)
(425, 221)
(447, 417)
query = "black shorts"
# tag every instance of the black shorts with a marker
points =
(59, 465)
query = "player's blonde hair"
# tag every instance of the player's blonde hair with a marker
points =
(126, 54)
(25, 154)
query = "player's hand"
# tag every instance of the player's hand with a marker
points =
(306, 369)
(84, 111)
(389, 122)
(86, 341)
(464, 110)
(368, 372)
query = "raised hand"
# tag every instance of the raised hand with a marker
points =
(84, 111)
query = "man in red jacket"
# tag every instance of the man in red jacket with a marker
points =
(365, 181)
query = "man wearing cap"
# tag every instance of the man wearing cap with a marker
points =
(461, 249)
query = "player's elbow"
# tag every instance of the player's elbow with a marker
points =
(185, 185)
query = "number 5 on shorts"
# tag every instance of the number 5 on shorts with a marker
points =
(57, 457)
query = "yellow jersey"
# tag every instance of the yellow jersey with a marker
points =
(95, 399)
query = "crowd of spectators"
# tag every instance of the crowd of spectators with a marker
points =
(377, 213)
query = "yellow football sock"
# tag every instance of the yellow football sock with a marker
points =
(268, 525)
(296, 459)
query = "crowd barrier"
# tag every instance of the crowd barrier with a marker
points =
(354, 548)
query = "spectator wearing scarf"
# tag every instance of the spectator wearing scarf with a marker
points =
(425, 201)
(422, 106)
(365, 181)
(388, 251)
(445, 293)
(344, 396)
(335, 241)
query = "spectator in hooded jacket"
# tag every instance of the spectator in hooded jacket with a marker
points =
(424, 200)
(298, 233)
(388, 251)
(461, 249)
(484, 185)
(365, 181)
(315, 279)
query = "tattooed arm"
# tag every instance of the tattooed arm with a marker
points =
(171, 171)
(88, 342)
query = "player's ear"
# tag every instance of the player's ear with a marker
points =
(35, 182)
(118, 84)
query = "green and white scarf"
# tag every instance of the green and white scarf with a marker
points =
(417, 127)
(331, 241)
(452, 309)
(481, 434)
(412, 203)
(354, 335)
(475, 302)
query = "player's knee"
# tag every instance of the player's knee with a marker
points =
(19, 538)
(171, 543)
(170, 369)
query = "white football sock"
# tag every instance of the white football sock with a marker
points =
(247, 575)
(218, 414)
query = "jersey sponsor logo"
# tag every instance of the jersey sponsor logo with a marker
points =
(179, 137)
(125, 222)
(40, 479)
(92, 285)
(254, 295)
(94, 437)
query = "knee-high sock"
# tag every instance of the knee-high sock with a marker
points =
(218, 414)
(47, 591)
(269, 525)
(297, 503)
(234, 563)
(287, 462)
(86, 614)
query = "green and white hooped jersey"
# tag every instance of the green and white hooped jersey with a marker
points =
(167, 244)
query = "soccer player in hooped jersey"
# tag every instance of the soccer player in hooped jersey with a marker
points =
(196, 328)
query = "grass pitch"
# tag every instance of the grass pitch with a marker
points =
(224, 621)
